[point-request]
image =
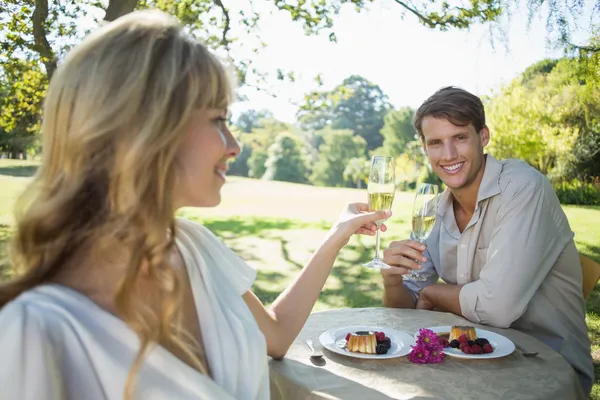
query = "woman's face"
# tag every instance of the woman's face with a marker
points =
(202, 159)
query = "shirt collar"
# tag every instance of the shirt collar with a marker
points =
(490, 183)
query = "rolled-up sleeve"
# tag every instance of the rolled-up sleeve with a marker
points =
(528, 238)
(428, 271)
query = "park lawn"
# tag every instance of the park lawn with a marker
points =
(275, 227)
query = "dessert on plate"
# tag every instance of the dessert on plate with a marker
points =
(368, 342)
(465, 339)
(458, 330)
(362, 342)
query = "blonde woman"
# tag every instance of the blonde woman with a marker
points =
(115, 298)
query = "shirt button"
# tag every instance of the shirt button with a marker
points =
(462, 275)
(462, 246)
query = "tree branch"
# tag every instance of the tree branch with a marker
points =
(421, 17)
(224, 40)
(589, 49)
(40, 15)
(118, 8)
(270, 93)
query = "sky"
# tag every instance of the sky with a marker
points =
(408, 61)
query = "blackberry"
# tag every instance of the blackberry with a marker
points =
(481, 341)
(387, 341)
(471, 342)
(381, 349)
(455, 344)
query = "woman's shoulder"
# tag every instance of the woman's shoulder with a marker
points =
(189, 226)
(32, 313)
(201, 243)
(31, 323)
(28, 306)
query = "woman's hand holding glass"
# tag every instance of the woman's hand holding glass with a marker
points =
(357, 219)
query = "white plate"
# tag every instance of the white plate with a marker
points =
(502, 345)
(335, 340)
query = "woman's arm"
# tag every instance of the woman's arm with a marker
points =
(284, 319)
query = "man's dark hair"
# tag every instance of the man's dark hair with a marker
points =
(456, 105)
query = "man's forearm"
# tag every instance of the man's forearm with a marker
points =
(396, 295)
(443, 297)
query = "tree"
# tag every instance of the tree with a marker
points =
(251, 119)
(251, 162)
(357, 171)
(549, 119)
(356, 104)
(257, 163)
(21, 93)
(397, 131)
(339, 148)
(269, 129)
(44, 28)
(586, 71)
(41, 31)
(407, 171)
(239, 165)
(286, 160)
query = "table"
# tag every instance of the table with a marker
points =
(547, 376)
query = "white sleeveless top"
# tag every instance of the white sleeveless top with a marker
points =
(55, 343)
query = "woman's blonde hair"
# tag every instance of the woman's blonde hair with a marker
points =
(113, 120)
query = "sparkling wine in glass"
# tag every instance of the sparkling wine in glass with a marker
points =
(423, 219)
(381, 190)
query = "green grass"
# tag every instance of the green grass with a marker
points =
(276, 226)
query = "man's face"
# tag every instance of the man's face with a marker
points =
(455, 152)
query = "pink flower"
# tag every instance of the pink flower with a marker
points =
(419, 354)
(428, 339)
(435, 356)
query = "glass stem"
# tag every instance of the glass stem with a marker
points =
(377, 242)
(413, 272)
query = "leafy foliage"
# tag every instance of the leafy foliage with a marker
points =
(397, 131)
(39, 32)
(257, 163)
(251, 119)
(356, 104)
(22, 88)
(339, 148)
(357, 171)
(578, 192)
(286, 160)
(549, 118)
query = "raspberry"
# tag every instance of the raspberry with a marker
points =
(481, 341)
(381, 349)
(463, 345)
(476, 349)
(463, 338)
(466, 349)
(379, 336)
(347, 336)
(444, 343)
(455, 344)
(487, 348)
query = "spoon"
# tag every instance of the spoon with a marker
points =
(526, 353)
(315, 354)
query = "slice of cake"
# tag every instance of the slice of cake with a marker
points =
(362, 342)
(458, 330)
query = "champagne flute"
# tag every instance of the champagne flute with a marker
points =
(423, 219)
(381, 190)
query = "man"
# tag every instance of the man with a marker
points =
(501, 242)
